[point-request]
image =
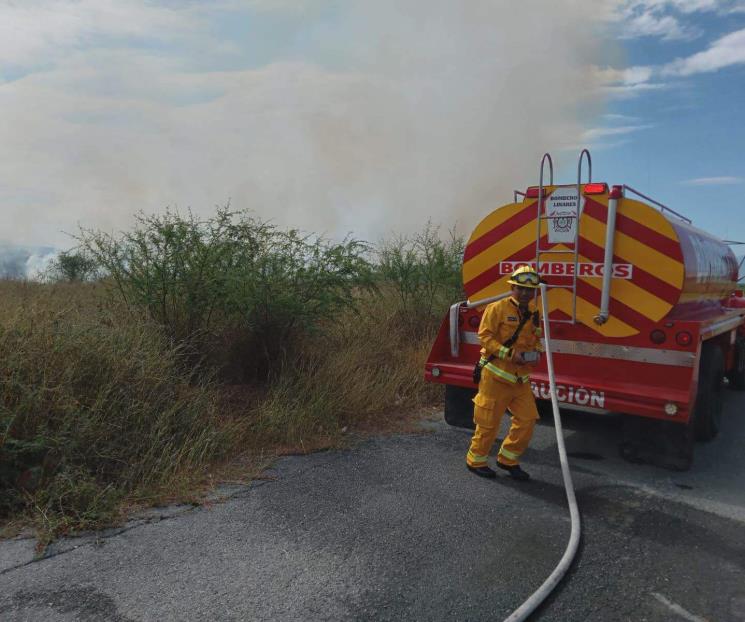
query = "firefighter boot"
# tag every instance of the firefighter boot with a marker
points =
(515, 471)
(483, 471)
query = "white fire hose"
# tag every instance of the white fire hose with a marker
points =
(537, 597)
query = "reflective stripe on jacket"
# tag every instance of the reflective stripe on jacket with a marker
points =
(498, 324)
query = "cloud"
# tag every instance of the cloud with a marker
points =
(727, 51)
(622, 118)
(667, 27)
(629, 76)
(34, 31)
(627, 91)
(684, 6)
(724, 52)
(619, 135)
(670, 20)
(627, 8)
(628, 82)
(599, 132)
(713, 181)
(388, 114)
(653, 18)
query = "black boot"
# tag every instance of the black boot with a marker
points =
(515, 471)
(482, 471)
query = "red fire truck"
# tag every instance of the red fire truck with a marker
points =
(646, 316)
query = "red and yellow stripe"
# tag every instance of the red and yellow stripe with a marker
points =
(644, 238)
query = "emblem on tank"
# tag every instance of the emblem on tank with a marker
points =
(562, 221)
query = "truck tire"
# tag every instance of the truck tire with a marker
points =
(736, 375)
(459, 407)
(707, 412)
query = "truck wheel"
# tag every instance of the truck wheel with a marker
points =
(707, 413)
(459, 407)
(736, 375)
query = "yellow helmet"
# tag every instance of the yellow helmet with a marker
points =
(525, 276)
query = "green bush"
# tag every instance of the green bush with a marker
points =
(232, 287)
(73, 266)
(424, 271)
(175, 267)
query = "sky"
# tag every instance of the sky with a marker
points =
(340, 116)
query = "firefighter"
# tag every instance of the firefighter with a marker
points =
(510, 335)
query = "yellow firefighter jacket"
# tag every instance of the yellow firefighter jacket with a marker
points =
(498, 323)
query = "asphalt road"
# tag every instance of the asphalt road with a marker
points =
(397, 529)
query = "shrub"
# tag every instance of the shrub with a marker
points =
(425, 273)
(232, 287)
(73, 266)
(172, 266)
(287, 289)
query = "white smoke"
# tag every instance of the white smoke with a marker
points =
(391, 113)
(21, 262)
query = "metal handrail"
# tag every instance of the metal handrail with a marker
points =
(658, 204)
(453, 316)
(486, 301)
(589, 166)
(546, 156)
(576, 225)
(516, 193)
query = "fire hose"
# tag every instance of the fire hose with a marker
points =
(537, 597)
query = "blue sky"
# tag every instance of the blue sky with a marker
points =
(370, 117)
(684, 123)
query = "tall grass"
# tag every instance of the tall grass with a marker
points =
(94, 407)
(116, 389)
(365, 371)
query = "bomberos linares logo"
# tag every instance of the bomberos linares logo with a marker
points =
(562, 221)
(563, 212)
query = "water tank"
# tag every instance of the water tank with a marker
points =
(662, 265)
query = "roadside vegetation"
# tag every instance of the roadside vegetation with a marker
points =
(154, 363)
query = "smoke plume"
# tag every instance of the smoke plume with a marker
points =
(18, 262)
(374, 117)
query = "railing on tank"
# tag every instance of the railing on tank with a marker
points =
(663, 208)
(742, 259)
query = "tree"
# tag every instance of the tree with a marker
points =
(73, 266)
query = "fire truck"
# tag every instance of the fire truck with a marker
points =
(645, 313)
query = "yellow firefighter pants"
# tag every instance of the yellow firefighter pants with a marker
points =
(493, 398)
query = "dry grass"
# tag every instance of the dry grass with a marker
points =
(100, 416)
(95, 408)
(363, 370)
